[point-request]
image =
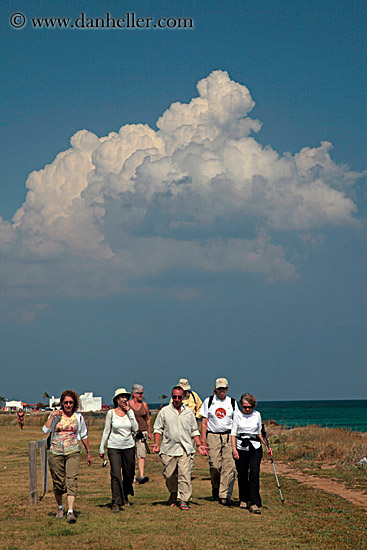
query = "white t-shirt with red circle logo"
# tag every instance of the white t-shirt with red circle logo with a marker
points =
(219, 414)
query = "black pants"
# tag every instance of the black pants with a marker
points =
(121, 460)
(248, 473)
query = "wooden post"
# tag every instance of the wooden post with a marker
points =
(33, 446)
(32, 449)
(42, 445)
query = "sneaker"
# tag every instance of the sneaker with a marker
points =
(225, 502)
(126, 502)
(70, 517)
(143, 479)
(254, 509)
(244, 505)
(60, 512)
(115, 508)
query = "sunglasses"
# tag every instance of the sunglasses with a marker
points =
(68, 402)
(246, 407)
(177, 397)
(139, 393)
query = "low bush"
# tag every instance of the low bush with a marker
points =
(336, 446)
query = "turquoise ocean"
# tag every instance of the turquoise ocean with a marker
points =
(349, 414)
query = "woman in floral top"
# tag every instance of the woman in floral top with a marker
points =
(67, 427)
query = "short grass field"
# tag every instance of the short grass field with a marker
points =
(309, 519)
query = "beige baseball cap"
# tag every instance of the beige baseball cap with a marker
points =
(184, 384)
(221, 383)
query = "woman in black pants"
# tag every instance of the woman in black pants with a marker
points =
(247, 452)
(119, 428)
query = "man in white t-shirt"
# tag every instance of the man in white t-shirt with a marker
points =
(218, 413)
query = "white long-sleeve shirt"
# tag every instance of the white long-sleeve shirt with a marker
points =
(118, 431)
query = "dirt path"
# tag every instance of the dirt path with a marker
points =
(328, 485)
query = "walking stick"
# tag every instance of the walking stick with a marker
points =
(263, 433)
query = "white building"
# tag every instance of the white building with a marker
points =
(87, 402)
(54, 402)
(9, 405)
(90, 403)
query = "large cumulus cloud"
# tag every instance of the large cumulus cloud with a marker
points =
(198, 193)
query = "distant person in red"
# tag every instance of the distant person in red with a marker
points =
(20, 417)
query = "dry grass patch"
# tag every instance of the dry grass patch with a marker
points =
(330, 452)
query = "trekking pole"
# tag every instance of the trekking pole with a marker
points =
(263, 433)
(146, 445)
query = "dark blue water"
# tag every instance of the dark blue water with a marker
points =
(350, 414)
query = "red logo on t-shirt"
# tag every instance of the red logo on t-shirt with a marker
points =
(220, 413)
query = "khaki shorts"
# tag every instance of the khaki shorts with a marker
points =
(140, 450)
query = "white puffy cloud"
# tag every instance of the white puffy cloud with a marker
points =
(197, 193)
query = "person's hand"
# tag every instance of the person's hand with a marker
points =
(125, 406)
(270, 451)
(236, 456)
(101, 455)
(155, 448)
(57, 412)
(89, 459)
(203, 450)
(150, 437)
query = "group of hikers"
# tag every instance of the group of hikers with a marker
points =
(230, 436)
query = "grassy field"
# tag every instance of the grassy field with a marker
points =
(309, 519)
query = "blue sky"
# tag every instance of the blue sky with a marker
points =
(222, 236)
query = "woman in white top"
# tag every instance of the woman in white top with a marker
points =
(119, 428)
(247, 452)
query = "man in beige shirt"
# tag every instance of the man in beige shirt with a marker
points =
(175, 429)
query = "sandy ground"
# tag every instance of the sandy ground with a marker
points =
(328, 485)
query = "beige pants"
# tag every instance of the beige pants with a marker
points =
(192, 463)
(64, 472)
(221, 462)
(177, 473)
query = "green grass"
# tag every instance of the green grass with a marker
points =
(309, 519)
